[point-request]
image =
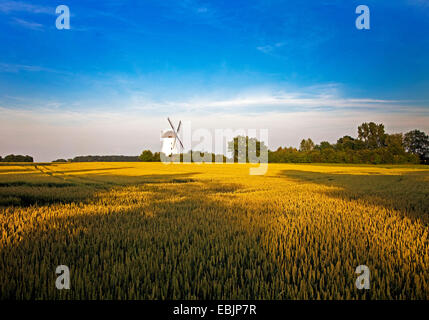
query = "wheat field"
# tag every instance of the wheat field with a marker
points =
(212, 231)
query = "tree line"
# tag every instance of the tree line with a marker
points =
(111, 158)
(16, 158)
(190, 156)
(371, 146)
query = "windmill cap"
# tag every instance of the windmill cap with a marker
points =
(168, 134)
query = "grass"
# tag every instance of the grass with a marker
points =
(189, 231)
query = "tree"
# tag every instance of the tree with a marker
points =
(146, 156)
(394, 144)
(157, 157)
(372, 135)
(60, 160)
(239, 146)
(306, 145)
(417, 142)
(348, 143)
(17, 158)
(324, 145)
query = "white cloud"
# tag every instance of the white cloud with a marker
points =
(28, 24)
(258, 102)
(15, 68)
(267, 49)
(8, 67)
(18, 6)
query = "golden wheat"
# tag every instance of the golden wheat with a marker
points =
(212, 231)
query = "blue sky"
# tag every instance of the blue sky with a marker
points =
(297, 68)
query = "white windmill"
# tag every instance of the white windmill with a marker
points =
(169, 140)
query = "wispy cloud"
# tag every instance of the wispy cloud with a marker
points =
(195, 12)
(18, 6)
(8, 67)
(195, 7)
(279, 101)
(28, 24)
(267, 49)
(15, 68)
(125, 94)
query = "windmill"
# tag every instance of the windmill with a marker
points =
(169, 139)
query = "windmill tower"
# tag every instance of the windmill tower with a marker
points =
(169, 140)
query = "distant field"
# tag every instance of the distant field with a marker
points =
(189, 231)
